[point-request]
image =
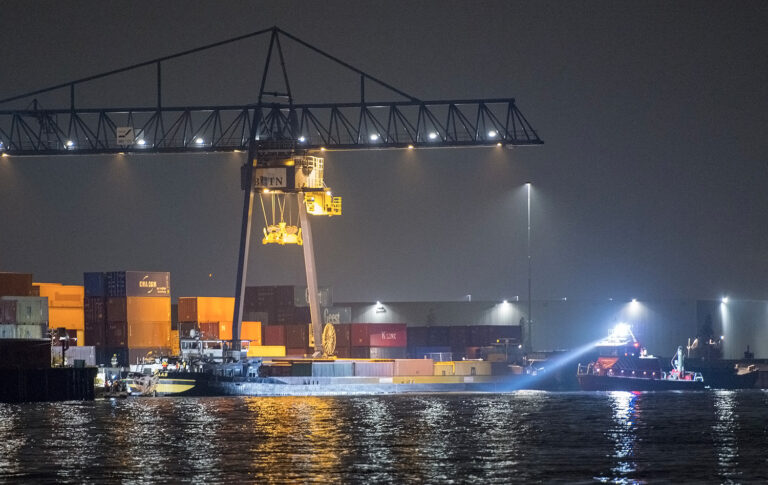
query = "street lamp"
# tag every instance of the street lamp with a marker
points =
(530, 340)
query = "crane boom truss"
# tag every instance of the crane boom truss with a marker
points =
(340, 126)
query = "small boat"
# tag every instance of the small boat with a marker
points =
(162, 377)
(623, 365)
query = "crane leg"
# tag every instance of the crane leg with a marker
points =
(242, 261)
(309, 265)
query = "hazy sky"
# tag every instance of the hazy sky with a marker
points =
(653, 181)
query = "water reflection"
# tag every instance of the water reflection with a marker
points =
(724, 436)
(623, 434)
(302, 431)
(12, 439)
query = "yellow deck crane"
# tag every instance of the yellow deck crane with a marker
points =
(281, 137)
(300, 177)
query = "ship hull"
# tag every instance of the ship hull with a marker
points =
(356, 386)
(590, 382)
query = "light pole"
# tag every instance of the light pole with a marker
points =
(529, 346)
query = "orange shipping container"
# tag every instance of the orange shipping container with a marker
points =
(414, 367)
(206, 309)
(175, 343)
(251, 331)
(148, 309)
(69, 318)
(62, 296)
(225, 331)
(149, 334)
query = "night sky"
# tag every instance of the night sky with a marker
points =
(653, 181)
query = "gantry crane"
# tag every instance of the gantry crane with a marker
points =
(283, 139)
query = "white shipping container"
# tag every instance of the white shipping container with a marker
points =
(7, 331)
(30, 309)
(31, 331)
(88, 354)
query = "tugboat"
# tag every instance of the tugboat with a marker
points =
(623, 365)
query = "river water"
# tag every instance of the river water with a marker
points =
(617, 437)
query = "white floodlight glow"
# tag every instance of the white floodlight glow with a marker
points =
(374, 136)
(410, 147)
(378, 302)
(634, 300)
(498, 144)
(724, 300)
(328, 192)
(199, 140)
(70, 143)
(505, 302)
(5, 155)
(302, 139)
(622, 330)
(492, 134)
(432, 135)
(141, 142)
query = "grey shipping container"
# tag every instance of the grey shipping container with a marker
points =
(333, 369)
(388, 352)
(337, 314)
(30, 309)
(374, 369)
(301, 296)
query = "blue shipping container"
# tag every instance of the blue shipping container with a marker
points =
(138, 283)
(94, 284)
(422, 352)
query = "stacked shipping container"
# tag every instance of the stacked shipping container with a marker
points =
(127, 314)
(211, 318)
(65, 308)
(23, 317)
(463, 341)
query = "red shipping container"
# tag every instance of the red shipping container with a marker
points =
(209, 330)
(360, 334)
(296, 336)
(388, 335)
(343, 337)
(8, 311)
(95, 333)
(273, 335)
(298, 351)
(188, 309)
(117, 309)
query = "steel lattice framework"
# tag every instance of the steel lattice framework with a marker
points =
(356, 125)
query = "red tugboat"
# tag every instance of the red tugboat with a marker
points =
(623, 365)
